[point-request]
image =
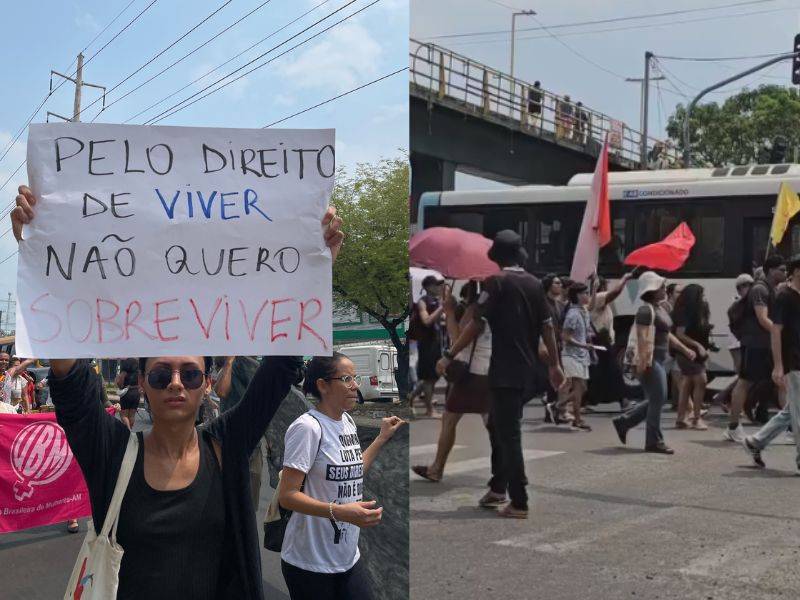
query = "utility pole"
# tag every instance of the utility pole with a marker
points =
(644, 108)
(514, 31)
(79, 83)
(8, 312)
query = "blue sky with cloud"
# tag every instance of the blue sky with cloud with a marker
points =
(371, 124)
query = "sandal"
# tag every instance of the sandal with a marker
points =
(424, 472)
(72, 526)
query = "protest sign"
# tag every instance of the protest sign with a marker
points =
(175, 241)
(40, 480)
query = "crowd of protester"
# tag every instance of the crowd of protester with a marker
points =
(514, 338)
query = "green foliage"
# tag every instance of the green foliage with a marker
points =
(743, 129)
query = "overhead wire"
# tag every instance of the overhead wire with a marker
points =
(177, 107)
(329, 100)
(625, 28)
(207, 73)
(578, 54)
(179, 39)
(63, 81)
(181, 59)
(597, 21)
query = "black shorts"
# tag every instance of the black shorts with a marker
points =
(756, 364)
(130, 400)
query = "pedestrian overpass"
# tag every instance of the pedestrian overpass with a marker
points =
(468, 117)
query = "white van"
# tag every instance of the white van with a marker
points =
(375, 363)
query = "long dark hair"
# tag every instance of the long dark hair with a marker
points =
(692, 310)
(320, 367)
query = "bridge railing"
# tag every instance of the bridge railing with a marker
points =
(448, 76)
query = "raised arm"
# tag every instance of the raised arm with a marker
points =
(242, 426)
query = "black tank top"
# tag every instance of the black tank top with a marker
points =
(174, 541)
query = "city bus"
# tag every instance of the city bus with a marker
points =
(729, 210)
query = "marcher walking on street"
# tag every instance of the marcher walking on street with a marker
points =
(756, 359)
(514, 305)
(652, 355)
(691, 317)
(785, 350)
(576, 352)
(469, 394)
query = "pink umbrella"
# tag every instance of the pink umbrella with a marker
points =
(455, 253)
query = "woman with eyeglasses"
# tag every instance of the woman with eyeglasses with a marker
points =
(322, 483)
(187, 522)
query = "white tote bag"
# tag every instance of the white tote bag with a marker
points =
(96, 572)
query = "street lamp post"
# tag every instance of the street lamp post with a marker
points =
(513, 33)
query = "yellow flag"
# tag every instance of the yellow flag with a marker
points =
(788, 206)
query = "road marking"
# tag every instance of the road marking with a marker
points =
(748, 558)
(462, 497)
(484, 463)
(427, 449)
(536, 541)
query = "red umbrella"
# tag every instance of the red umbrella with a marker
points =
(669, 254)
(455, 253)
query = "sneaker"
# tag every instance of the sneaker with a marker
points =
(699, 424)
(492, 500)
(548, 413)
(580, 426)
(622, 434)
(753, 451)
(660, 449)
(509, 512)
(734, 435)
(681, 425)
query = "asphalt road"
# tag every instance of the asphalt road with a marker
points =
(608, 522)
(35, 564)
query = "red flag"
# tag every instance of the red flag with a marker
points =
(670, 254)
(596, 225)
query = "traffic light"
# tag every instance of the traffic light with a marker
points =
(796, 61)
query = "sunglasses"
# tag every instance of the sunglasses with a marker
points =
(160, 377)
(348, 380)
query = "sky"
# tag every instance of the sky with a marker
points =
(591, 62)
(371, 123)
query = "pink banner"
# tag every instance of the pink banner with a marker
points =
(40, 480)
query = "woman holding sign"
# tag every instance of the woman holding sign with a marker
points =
(187, 521)
(322, 483)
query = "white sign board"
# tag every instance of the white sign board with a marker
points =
(167, 241)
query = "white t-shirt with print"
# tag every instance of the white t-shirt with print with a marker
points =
(334, 473)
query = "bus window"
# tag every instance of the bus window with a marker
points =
(613, 254)
(556, 233)
(498, 219)
(708, 252)
(440, 216)
(654, 223)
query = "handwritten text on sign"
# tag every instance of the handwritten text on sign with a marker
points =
(175, 241)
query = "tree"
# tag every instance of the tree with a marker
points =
(754, 126)
(371, 272)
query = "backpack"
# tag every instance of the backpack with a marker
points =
(737, 314)
(741, 309)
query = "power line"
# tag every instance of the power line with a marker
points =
(348, 92)
(207, 73)
(10, 256)
(626, 28)
(177, 107)
(184, 57)
(598, 21)
(718, 58)
(180, 38)
(33, 116)
(578, 54)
